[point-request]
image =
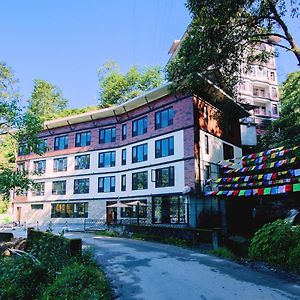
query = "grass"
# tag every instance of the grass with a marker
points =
(223, 252)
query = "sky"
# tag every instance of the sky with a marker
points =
(66, 41)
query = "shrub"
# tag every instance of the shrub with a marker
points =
(276, 243)
(21, 278)
(223, 252)
(52, 251)
(109, 233)
(78, 281)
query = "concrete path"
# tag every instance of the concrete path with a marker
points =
(144, 270)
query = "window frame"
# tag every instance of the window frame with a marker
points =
(159, 118)
(136, 151)
(36, 166)
(136, 125)
(112, 184)
(77, 163)
(159, 147)
(159, 177)
(78, 139)
(112, 159)
(57, 144)
(135, 183)
(63, 182)
(64, 164)
(113, 133)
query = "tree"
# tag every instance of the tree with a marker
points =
(16, 126)
(227, 34)
(116, 87)
(46, 100)
(286, 130)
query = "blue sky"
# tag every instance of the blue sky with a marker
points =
(66, 41)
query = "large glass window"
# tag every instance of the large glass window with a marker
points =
(42, 145)
(61, 142)
(107, 135)
(124, 131)
(82, 162)
(59, 187)
(23, 149)
(83, 139)
(107, 159)
(69, 210)
(140, 180)
(123, 157)
(37, 206)
(38, 189)
(39, 166)
(169, 209)
(60, 164)
(164, 177)
(206, 144)
(164, 118)
(139, 153)
(164, 147)
(140, 126)
(106, 184)
(81, 186)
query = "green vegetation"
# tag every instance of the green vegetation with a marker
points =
(278, 244)
(56, 274)
(76, 282)
(286, 130)
(220, 32)
(109, 233)
(156, 238)
(116, 88)
(223, 252)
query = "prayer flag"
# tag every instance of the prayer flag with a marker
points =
(248, 193)
(242, 192)
(296, 187)
(267, 191)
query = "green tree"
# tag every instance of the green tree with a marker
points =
(46, 100)
(17, 126)
(286, 130)
(116, 87)
(226, 34)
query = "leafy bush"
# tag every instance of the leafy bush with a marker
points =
(52, 251)
(223, 252)
(78, 281)
(21, 278)
(3, 206)
(277, 243)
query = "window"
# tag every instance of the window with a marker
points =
(123, 157)
(164, 118)
(205, 113)
(23, 149)
(124, 131)
(255, 92)
(81, 186)
(169, 209)
(107, 159)
(139, 153)
(207, 172)
(140, 180)
(37, 206)
(164, 147)
(132, 211)
(274, 92)
(164, 177)
(274, 109)
(59, 187)
(21, 167)
(61, 142)
(123, 183)
(82, 162)
(206, 144)
(228, 151)
(69, 210)
(42, 145)
(140, 126)
(39, 166)
(272, 76)
(39, 189)
(83, 139)
(106, 184)
(60, 164)
(107, 135)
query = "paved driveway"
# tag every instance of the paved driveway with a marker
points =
(144, 270)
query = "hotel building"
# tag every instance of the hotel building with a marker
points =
(158, 148)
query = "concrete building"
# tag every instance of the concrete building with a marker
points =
(258, 87)
(158, 148)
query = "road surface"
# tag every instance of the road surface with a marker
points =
(145, 270)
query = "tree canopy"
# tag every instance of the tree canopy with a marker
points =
(286, 130)
(116, 87)
(16, 126)
(46, 100)
(226, 34)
